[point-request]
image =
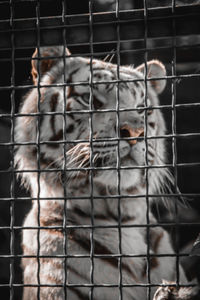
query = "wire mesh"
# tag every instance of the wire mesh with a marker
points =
(146, 151)
(159, 32)
(12, 161)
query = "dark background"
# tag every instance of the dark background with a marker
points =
(188, 121)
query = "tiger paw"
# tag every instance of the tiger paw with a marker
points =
(170, 292)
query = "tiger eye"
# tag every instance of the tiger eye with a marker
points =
(140, 111)
(70, 128)
(96, 103)
(149, 110)
(152, 125)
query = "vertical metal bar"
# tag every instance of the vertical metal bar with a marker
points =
(12, 186)
(91, 147)
(118, 152)
(146, 149)
(65, 241)
(174, 145)
(38, 144)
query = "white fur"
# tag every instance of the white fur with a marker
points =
(104, 182)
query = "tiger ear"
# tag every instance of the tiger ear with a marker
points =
(47, 59)
(155, 69)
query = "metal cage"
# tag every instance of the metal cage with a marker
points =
(170, 33)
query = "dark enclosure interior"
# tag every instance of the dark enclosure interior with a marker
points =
(172, 35)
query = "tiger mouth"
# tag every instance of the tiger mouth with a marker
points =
(110, 161)
(98, 164)
(106, 156)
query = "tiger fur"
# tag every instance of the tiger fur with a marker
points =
(54, 183)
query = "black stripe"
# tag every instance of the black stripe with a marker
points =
(53, 104)
(79, 293)
(72, 73)
(43, 160)
(82, 98)
(113, 72)
(100, 249)
(56, 137)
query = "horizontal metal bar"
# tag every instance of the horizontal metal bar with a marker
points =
(86, 83)
(60, 142)
(140, 167)
(183, 47)
(34, 115)
(132, 27)
(83, 226)
(89, 285)
(100, 256)
(145, 167)
(128, 196)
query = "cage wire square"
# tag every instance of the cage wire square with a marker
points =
(66, 217)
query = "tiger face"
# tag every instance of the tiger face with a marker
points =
(93, 118)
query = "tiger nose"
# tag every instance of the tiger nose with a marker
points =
(127, 131)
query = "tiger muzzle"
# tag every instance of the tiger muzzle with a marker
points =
(127, 131)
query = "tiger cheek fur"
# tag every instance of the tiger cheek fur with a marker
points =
(76, 103)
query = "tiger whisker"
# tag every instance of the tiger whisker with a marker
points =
(73, 150)
(83, 145)
(69, 152)
(108, 55)
(95, 157)
(75, 174)
(77, 158)
(83, 155)
(83, 163)
(110, 60)
(76, 154)
(53, 162)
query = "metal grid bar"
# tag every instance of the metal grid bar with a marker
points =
(168, 195)
(179, 46)
(172, 224)
(186, 17)
(12, 186)
(94, 285)
(174, 146)
(106, 168)
(102, 82)
(118, 164)
(91, 134)
(38, 129)
(95, 256)
(146, 170)
(65, 240)
(185, 105)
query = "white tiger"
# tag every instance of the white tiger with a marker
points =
(65, 147)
